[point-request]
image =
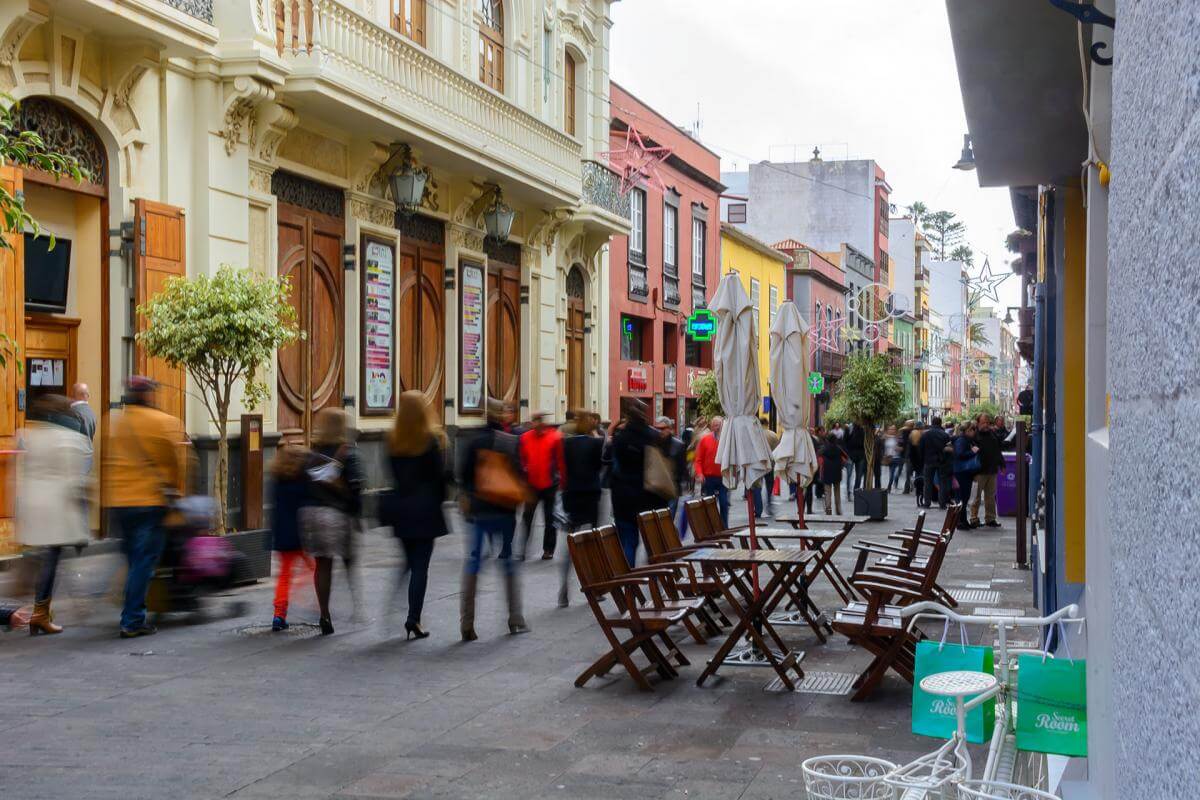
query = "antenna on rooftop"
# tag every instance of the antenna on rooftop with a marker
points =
(698, 124)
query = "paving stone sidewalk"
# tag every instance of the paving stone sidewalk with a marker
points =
(228, 709)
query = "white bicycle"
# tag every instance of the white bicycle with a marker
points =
(946, 773)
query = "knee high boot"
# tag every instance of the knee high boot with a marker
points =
(466, 613)
(516, 619)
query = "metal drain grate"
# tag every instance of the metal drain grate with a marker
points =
(820, 683)
(976, 596)
(978, 585)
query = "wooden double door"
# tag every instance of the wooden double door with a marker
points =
(420, 312)
(576, 329)
(311, 371)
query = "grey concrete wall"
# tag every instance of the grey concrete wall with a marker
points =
(821, 203)
(1154, 382)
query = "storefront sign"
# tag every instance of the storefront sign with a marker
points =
(702, 325)
(471, 299)
(378, 326)
(639, 379)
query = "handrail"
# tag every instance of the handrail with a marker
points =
(929, 608)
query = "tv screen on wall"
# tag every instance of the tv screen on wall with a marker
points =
(46, 273)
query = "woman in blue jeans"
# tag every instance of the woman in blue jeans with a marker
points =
(491, 520)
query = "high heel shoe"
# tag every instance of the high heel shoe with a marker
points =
(326, 626)
(412, 629)
(42, 621)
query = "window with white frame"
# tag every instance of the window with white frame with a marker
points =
(547, 66)
(637, 226)
(755, 299)
(670, 238)
(773, 294)
(699, 234)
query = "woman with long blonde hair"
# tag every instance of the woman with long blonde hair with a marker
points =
(413, 506)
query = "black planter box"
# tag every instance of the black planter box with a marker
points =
(255, 547)
(871, 503)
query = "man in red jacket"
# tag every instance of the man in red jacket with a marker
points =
(541, 452)
(709, 471)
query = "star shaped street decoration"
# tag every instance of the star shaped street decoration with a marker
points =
(636, 161)
(984, 284)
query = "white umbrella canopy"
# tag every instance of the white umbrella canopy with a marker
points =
(742, 450)
(795, 460)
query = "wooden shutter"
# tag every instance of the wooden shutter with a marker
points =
(569, 94)
(159, 246)
(12, 323)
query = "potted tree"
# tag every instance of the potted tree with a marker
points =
(869, 392)
(224, 329)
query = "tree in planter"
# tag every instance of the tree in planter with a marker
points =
(24, 148)
(869, 392)
(223, 329)
(708, 402)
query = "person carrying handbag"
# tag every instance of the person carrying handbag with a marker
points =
(966, 467)
(493, 488)
(413, 506)
(142, 471)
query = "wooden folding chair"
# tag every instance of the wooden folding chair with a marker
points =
(636, 610)
(663, 546)
(704, 520)
(878, 628)
(910, 560)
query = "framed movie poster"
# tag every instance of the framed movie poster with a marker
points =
(378, 363)
(472, 301)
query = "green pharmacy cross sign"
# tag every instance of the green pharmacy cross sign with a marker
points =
(702, 325)
(816, 383)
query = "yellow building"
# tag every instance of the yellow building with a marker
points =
(763, 271)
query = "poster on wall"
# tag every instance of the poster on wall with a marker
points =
(471, 302)
(378, 328)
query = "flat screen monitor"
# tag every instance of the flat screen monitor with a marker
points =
(46, 273)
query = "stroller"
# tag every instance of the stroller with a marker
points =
(195, 564)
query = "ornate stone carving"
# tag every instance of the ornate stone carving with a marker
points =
(545, 232)
(65, 132)
(372, 209)
(468, 210)
(16, 34)
(129, 62)
(366, 161)
(242, 96)
(306, 193)
(466, 238)
(431, 200)
(272, 122)
(260, 177)
(200, 9)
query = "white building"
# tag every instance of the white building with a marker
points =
(263, 134)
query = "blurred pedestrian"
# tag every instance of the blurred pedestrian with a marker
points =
(289, 493)
(53, 481)
(709, 471)
(336, 479)
(419, 488)
(916, 462)
(143, 463)
(81, 408)
(629, 495)
(966, 466)
(990, 461)
(542, 461)
(833, 459)
(937, 459)
(583, 456)
(855, 444)
(891, 456)
(675, 452)
(492, 490)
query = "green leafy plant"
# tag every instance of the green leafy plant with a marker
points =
(963, 253)
(222, 329)
(984, 407)
(708, 402)
(869, 392)
(24, 148)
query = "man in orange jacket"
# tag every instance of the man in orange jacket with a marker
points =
(709, 471)
(542, 459)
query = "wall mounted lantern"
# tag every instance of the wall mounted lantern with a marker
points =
(498, 218)
(408, 183)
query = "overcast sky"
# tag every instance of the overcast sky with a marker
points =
(860, 78)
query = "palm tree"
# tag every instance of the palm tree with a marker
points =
(917, 211)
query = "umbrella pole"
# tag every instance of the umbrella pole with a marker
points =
(801, 493)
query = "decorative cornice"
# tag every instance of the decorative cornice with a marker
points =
(545, 232)
(15, 36)
(272, 122)
(130, 61)
(465, 237)
(468, 210)
(373, 209)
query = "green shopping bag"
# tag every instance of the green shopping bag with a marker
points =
(1052, 705)
(933, 715)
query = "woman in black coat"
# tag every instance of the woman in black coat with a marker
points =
(413, 507)
(629, 496)
(583, 456)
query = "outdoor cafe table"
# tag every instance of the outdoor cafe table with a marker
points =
(793, 518)
(824, 542)
(752, 609)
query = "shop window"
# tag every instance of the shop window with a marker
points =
(698, 354)
(635, 342)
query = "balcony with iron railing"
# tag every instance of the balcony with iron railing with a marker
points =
(639, 281)
(671, 297)
(373, 73)
(602, 189)
(699, 295)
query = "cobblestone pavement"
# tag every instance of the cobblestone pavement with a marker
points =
(227, 709)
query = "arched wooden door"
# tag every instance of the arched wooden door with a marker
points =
(310, 254)
(504, 324)
(420, 313)
(576, 390)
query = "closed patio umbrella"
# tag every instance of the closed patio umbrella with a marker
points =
(742, 450)
(795, 460)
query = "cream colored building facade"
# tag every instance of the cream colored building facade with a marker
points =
(233, 119)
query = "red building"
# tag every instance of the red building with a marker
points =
(666, 268)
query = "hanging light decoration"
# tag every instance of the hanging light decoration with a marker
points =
(498, 218)
(408, 183)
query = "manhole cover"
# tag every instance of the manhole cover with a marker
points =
(295, 630)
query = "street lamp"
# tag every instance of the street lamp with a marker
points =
(408, 183)
(1008, 317)
(966, 162)
(498, 218)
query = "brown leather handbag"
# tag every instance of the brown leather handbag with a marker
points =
(497, 482)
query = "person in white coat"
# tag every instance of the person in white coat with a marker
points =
(52, 491)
